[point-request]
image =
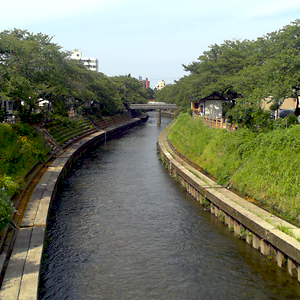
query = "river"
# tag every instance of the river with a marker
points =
(122, 228)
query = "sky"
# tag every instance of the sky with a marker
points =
(147, 38)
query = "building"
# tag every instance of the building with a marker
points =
(89, 63)
(145, 83)
(287, 103)
(210, 106)
(9, 106)
(160, 85)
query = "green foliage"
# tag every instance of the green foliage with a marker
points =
(2, 114)
(130, 90)
(60, 120)
(150, 93)
(259, 164)
(20, 148)
(32, 68)
(274, 106)
(5, 208)
(285, 122)
(250, 116)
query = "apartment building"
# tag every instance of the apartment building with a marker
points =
(89, 63)
(160, 85)
(145, 83)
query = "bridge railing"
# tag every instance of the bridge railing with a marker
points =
(153, 106)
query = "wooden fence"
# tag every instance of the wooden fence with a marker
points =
(216, 123)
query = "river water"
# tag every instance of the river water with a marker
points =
(122, 228)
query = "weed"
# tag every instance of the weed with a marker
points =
(286, 230)
(243, 233)
(222, 217)
(205, 202)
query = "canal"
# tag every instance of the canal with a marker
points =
(122, 228)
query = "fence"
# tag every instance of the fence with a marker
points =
(216, 123)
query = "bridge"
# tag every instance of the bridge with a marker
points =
(155, 105)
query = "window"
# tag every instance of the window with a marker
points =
(196, 105)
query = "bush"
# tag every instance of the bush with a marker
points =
(3, 114)
(5, 209)
(250, 117)
(36, 118)
(20, 148)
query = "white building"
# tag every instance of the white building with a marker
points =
(9, 106)
(89, 63)
(210, 106)
(160, 85)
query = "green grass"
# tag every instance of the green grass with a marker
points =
(21, 148)
(63, 131)
(264, 166)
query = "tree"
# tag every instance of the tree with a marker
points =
(130, 90)
(245, 71)
(3, 114)
(30, 67)
(150, 93)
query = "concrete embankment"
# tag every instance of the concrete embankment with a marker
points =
(21, 280)
(256, 226)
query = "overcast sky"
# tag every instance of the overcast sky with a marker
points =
(147, 38)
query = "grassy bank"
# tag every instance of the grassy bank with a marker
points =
(20, 148)
(264, 166)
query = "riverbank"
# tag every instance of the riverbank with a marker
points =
(21, 280)
(261, 165)
(256, 226)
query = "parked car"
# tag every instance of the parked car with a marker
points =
(285, 112)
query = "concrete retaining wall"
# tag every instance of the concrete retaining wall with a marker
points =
(256, 226)
(21, 280)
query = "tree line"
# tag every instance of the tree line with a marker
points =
(33, 68)
(245, 72)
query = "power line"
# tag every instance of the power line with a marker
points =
(164, 78)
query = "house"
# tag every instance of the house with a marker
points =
(210, 106)
(9, 106)
(287, 103)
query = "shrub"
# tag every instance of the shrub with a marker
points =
(20, 148)
(5, 208)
